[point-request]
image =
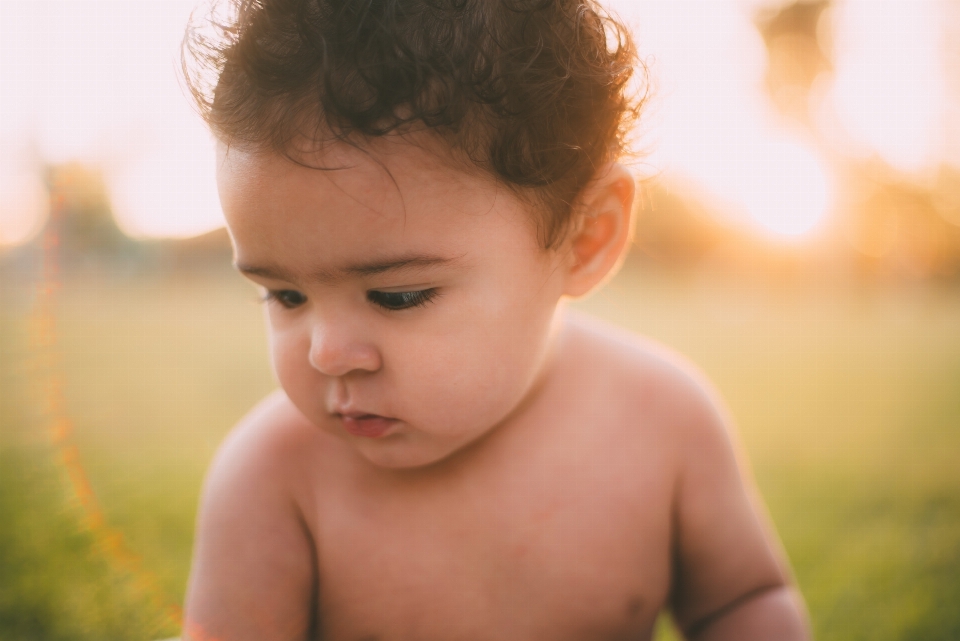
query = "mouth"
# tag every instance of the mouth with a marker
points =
(366, 425)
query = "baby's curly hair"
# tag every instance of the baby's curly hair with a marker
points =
(535, 92)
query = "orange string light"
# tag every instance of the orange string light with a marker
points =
(60, 427)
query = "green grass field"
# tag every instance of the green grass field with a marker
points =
(847, 403)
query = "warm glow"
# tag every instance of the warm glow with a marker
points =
(23, 204)
(95, 82)
(171, 189)
(712, 124)
(888, 94)
(789, 193)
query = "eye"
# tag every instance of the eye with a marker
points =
(288, 298)
(401, 300)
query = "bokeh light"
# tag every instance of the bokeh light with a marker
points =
(713, 129)
(171, 189)
(799, 240)
(23, 203)
(95, 81)
(888, 93)
(788, 191)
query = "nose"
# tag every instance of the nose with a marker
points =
(337, 348)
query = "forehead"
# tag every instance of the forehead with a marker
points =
(345, 202)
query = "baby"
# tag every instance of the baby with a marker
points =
(417, 187)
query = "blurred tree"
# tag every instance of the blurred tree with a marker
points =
(678, 232)
(86, 232)
(947, 194)
(902, 229)
(889, 224)
(209, 251)
(796, 52)
(81, 216)
(674, 229)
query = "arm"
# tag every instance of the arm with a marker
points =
(731, 578)
(253, 574)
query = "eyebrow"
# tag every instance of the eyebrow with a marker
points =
(415, 261)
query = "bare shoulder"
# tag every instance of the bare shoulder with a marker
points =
(273, 438)
(664, 389)
(730, 577)
(253, 575)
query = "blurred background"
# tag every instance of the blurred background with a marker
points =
(798, 238)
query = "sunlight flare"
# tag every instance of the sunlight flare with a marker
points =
(789, 194)
(95, 82)
(888, 94)
(712, 124)
(24, 204)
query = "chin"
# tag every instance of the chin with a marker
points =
(399, 453)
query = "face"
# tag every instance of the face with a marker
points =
(410, 307)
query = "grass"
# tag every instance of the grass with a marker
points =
(847, 403)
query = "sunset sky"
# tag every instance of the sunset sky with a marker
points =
(95, 81)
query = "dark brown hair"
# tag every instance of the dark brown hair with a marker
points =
(532, 91)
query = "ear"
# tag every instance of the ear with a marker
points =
(601, 230)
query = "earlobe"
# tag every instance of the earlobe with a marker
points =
(602, 231)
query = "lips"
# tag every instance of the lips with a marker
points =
(366, 425)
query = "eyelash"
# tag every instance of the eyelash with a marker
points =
(392, 301)
(395, 301)
(279, 296)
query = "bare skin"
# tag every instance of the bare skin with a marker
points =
(524, 473)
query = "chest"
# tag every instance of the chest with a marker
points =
(549, 552)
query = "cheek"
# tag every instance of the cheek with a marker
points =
(288, 355)
(481, 361)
